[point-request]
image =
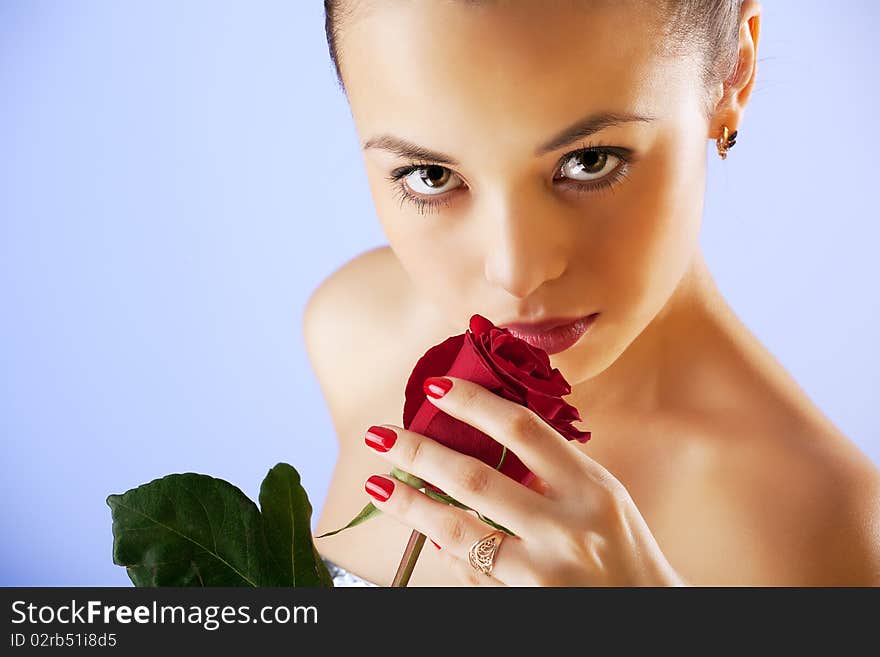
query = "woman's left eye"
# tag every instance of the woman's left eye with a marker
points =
(589, 169)
(589, 165)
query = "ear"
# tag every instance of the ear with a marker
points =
(735, 91)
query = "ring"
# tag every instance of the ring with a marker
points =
(482, 553)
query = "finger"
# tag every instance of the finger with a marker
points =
(539, 446)
(466, 478)
(454, 529)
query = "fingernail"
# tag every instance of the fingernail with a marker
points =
(380, 438)
(435, 545)
(437, 386)
(379, 487)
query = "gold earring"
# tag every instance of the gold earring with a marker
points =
(725, 142)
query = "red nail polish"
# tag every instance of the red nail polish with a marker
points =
(436, 386)
(435, 545)
(379, 487)
(380, 438)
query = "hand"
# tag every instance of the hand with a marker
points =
(575, 525)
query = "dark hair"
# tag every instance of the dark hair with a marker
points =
(708, 27)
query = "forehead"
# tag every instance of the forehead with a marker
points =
(416, 68)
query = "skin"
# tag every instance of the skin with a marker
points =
(708, 464)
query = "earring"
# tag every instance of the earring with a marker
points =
(725, 142)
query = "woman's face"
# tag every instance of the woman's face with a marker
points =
(503, 213)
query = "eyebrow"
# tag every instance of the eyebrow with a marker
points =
(580, 129)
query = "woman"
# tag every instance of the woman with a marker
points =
(537, 163)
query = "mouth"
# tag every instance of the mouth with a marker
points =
(553, 335)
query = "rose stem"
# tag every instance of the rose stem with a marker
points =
(408, 561)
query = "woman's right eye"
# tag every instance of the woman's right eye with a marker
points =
(430, 180)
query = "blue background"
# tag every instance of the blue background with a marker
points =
(177, 178)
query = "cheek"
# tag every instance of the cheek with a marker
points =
(404, 228)
(430, 247)
(654, 232)
(440, 275)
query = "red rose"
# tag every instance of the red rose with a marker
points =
(504, 364)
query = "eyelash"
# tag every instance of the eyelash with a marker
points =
(426, 206)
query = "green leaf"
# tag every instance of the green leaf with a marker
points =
(196, 530)
(287, 521)
(365, 514)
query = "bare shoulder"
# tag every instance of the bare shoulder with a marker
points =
(812, 497)
(838, 496)
(354, 292)
(785, 498)
(362, 272)
(364, 325)
(346, 321)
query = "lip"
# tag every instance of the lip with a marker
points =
(552, 335)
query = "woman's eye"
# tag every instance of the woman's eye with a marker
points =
(591, 169)
(430, 180)
(588, 165)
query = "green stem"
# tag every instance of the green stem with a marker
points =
(503, 455)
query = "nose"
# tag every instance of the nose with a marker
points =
(526, 248)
